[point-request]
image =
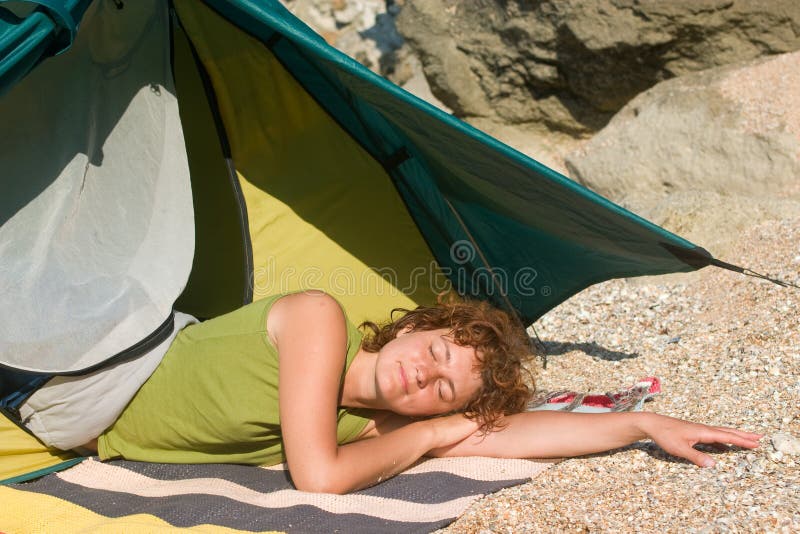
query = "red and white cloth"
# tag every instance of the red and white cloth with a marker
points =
(626, 400)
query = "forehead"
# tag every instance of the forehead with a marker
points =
(463, 352)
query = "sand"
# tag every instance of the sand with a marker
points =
(727, 348)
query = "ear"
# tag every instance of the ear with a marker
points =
(405, 330)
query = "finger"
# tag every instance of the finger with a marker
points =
(742, 433)
(698, 458)
(731, 438)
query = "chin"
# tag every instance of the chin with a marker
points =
(410, 412)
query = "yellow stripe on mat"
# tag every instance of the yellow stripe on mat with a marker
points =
(32, 513)
(21, 453)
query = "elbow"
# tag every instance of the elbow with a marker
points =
(319, 483)
(320, 487)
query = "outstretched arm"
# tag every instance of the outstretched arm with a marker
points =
(549, 434)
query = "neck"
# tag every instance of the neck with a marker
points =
(358, 389)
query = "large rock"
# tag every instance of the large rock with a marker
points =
(705, 154)
(571, 64)
(730, 130)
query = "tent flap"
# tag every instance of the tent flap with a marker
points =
(502, 226)
(97, 232)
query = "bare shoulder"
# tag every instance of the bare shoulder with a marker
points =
(312, 308)
(309, 301)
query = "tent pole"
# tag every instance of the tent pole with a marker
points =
(749, 272)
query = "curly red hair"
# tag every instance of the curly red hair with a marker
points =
(500, 342)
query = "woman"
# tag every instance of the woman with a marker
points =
(348, 413)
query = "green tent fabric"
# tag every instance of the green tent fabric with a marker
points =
(515, 216)
(298, 157)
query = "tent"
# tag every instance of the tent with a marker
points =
(199, 155)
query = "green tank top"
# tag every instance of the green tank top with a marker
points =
(214, 398)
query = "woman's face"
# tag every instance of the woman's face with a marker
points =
(425, 373)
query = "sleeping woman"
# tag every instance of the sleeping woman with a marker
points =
(290, 378)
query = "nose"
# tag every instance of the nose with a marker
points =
(422, 377)
(426, 374)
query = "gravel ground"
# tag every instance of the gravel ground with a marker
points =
(727, 349)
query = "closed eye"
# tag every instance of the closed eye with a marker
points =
(445, 393)
(451, 393)
(448, 357)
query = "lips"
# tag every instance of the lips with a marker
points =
(403, 378)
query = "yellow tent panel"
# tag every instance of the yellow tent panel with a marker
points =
(23, 454)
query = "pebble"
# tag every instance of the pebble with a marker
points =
(785, 443)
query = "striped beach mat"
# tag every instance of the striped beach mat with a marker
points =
(123, 496)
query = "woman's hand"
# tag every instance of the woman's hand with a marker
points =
(678, 437)
(450, 430)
